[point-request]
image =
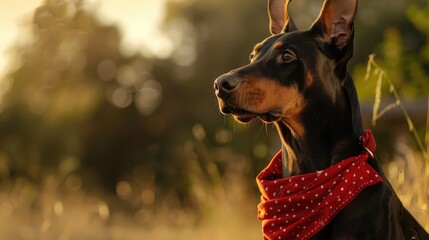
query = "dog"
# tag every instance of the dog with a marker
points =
(298, 81)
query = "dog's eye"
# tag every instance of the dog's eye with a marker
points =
(288, 56)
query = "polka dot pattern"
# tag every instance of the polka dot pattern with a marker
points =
(298, 207)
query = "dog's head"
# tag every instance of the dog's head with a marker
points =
(291, 70)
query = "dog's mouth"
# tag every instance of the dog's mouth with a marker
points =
(246, 116)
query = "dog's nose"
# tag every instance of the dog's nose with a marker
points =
(225, 85)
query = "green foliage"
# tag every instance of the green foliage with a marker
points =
(404, 56)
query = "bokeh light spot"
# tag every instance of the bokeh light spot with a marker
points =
(122, 97)
(199, 132)
(123, 189)
(74, 182)
(148, 196)
(106, 70)
(149, 97)
(58, 208)
(103, 211)
(223, 136)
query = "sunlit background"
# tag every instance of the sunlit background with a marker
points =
(109, 128)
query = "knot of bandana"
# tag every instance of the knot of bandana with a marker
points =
(298, 207)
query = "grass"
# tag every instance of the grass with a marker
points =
(409, 171)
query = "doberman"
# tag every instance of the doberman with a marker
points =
(298, 80)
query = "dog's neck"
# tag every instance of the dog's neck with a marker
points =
(328, 137)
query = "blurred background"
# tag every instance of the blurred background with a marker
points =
(109, 127)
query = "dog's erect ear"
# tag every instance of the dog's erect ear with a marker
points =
(279, 16)
(335, 22)
(335, 26)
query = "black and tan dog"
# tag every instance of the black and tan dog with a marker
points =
(298, 80)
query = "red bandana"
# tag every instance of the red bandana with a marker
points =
(298, 207)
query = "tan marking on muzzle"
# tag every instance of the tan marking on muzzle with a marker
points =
(264, 95)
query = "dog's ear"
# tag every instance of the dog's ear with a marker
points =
(279, 17)
(335, 26)
(335, 22)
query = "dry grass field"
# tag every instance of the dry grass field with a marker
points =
(64, 210)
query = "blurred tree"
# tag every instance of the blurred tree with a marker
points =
(76, 104)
